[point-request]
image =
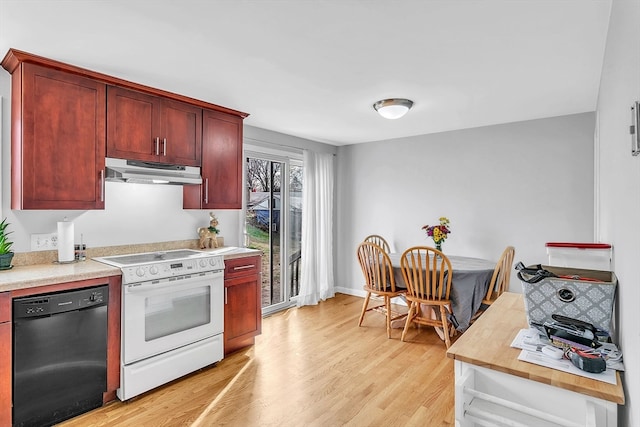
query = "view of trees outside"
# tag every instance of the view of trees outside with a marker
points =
(263, 222)
(260, 176)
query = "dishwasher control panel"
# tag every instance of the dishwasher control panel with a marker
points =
(60, 302)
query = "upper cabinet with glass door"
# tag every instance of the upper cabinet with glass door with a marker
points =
(151, 128)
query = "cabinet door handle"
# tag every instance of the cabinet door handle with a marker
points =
(225, 296)
(102, 185)
(157, 144)
(206, 190)
(164, 147)
(244, 267)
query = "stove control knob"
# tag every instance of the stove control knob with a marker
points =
(203, 263)
(213, 262)
(140, 271)
(153, 269)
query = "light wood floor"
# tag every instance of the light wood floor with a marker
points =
(311, 366)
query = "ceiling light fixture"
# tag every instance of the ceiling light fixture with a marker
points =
(393, 108)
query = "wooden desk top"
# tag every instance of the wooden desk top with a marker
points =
(487, 343)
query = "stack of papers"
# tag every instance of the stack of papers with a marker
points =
(531, 343)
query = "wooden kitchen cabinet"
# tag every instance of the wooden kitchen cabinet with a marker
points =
(58, 138)
(66, 119)
(146, 127)
(221, 164)
(243, 306)
(5, 357)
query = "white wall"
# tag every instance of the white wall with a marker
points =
(520, 184)
(619, 185)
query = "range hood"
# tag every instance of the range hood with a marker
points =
(141, 172)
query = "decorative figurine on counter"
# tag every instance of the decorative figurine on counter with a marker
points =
(209, 235)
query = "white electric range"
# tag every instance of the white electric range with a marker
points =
(172, 316)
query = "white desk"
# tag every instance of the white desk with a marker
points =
(491, 381)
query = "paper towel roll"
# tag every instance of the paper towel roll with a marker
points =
(65, 241)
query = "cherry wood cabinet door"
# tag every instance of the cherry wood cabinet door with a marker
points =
(181, 133)
(243, 308)
(221, 164)
(151, 128)
(58, 148)
(133, 125)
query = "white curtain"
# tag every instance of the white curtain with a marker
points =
(316, 277)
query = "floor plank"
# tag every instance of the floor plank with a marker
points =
(312, 366)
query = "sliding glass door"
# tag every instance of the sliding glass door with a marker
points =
(295, 227)
(273, 224)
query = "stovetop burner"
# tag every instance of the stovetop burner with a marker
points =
(149, 257)
(154, 256)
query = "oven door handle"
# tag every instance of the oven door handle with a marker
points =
(168, 283)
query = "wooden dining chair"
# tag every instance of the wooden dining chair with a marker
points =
(427, 273)
(378, 240)
(379, 281)
(501, 275)
(499, 283)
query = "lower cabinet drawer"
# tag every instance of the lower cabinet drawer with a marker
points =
(238, 267)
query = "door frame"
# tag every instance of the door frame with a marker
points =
(286, 158)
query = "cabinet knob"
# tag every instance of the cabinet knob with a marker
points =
(164, 147)
(157, 145)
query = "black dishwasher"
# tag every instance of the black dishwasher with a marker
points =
(59, 355)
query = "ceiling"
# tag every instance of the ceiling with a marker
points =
(313, 68)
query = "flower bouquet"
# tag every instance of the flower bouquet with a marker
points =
(438, 232)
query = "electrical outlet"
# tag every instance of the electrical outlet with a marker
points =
(44, 242)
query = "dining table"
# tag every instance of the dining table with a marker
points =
(469, 283)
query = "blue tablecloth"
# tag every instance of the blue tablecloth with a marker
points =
(469, 284)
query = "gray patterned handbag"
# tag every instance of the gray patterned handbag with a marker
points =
(587, 295)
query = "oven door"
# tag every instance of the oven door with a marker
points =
(162, 315)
